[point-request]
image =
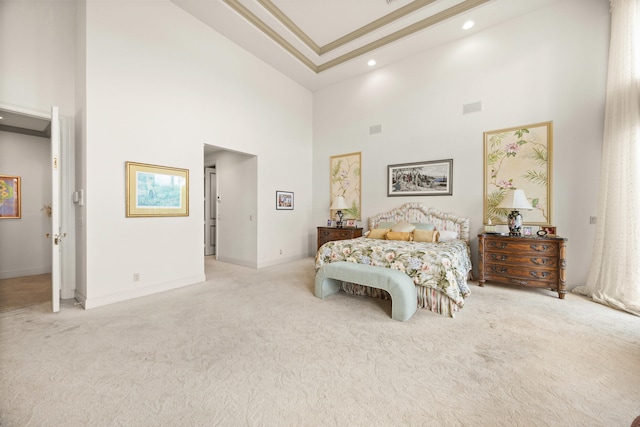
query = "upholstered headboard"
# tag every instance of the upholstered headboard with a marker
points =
(417, 212)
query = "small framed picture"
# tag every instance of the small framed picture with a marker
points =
(551, 231)
(284, 200)
(329, 223)
(527, 231)
(351, 223)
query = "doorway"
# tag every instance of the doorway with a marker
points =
(210, 210)
(19, 127)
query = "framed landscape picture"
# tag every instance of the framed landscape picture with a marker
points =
(10, 197)
(431, 178)
(153, 190)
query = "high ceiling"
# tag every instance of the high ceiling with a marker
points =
(321, 42)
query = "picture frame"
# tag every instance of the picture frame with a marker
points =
(519, 158)
(156, 191)
(527, 231)
(351, 223)
(345, 180)
(329, 223)
(551, 230)
(10, 197)
(284, 200)
(428, 178)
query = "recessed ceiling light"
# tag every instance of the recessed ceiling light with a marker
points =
(371, 62)
(467, 25)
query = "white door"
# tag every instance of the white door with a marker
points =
(55, 210)
(210, 211)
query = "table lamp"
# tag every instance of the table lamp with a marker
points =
(514, 200)
(339, 203)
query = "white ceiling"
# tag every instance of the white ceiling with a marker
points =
(319, 43)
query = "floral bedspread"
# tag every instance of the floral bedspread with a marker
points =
(443, 266)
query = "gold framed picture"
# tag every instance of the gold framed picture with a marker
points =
(10, 197)
(346, 182)
(153, 190)
(519, 158)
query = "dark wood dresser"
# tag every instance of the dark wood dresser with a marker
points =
(328, 234)
(538, 262)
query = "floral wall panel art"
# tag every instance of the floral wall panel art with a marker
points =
(346, 182)
(520, 158)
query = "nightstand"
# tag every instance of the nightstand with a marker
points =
(328, 234)
(538, 262)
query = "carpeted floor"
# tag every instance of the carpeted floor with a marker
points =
(256, 348)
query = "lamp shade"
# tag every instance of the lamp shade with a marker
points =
(515, 199)
(339, 203)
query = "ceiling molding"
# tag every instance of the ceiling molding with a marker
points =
(348, 38)
(400, 34)
(351, 37)
(270, 32)
(284, 19)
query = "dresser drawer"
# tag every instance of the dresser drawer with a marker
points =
(525, 275)
(522, 246)
(336, 234)
(521, 259)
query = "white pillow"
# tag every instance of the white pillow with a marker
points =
(403, 227)
(447, 235)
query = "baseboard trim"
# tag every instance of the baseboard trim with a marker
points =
(278, 261)
(25, 272)
(90, 303)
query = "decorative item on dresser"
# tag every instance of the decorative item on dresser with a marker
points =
(329, 234)
(538, 262)
(339, 203)
(515, 199)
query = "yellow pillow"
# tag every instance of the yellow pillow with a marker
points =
(425, 235)
(378, 233)
(399, 235)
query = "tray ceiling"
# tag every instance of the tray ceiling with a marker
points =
(319, 43)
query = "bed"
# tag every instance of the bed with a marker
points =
(439, 270)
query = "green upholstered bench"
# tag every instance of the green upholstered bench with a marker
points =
(404, 297)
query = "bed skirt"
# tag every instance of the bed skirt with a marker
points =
(428, 298)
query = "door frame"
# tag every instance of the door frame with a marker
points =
(67, 183)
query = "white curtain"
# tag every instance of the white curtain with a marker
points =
(614, 277)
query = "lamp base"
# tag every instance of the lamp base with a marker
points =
(339, 221)
(515, 223)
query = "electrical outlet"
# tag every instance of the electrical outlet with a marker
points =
(136, 277)
(280, 251)
(593, 219)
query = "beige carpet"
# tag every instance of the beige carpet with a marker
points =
(256, 348)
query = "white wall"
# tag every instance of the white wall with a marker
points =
(549, 65)
(37, 55)
(24, 249)
(159, 85)
(36, 72)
